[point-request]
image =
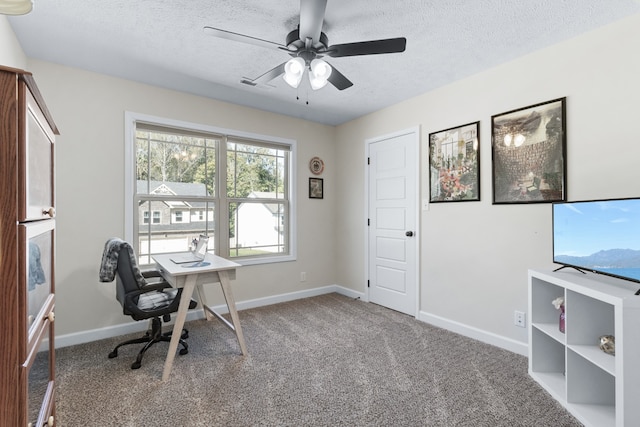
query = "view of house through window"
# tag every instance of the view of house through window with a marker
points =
(188, 183)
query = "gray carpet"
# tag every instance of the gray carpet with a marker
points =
(321, 361)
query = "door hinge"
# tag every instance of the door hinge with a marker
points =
(368, 160)
(368, 222)
(368, 284)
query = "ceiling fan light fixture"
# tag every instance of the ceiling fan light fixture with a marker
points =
(293, 71)
(15, 7)
(319, 73)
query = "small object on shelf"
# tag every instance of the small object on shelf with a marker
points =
(608, 344)
(558, 303)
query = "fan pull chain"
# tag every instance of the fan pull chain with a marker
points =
(298, 95)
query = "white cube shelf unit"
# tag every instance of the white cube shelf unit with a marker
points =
(597, 388)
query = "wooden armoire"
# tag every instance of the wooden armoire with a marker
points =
(27, 253)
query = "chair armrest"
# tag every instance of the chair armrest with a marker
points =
(153, 286)
(131, 308)
(151, 273)
(153, 276)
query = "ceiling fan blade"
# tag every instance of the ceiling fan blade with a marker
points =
(229, 35)
(266, 77)
(311, 18)
(371, 47)
(338, 79)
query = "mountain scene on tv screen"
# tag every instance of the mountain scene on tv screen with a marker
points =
(605, 259)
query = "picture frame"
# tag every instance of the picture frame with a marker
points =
(316, 188)
(454, 164)
(529, 152)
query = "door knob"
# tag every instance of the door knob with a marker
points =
(409, 233)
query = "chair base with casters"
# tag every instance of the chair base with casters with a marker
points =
(152, 336)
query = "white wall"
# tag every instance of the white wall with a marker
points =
(11, 53)
(475, 255)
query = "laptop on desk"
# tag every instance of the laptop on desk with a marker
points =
(185, 258)
(195, 256)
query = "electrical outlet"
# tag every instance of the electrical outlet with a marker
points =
(520, 319)
(303, 276)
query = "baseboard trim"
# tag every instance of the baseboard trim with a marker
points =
(475, 333)
(132, 326)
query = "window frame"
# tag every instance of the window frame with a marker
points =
(222, 204)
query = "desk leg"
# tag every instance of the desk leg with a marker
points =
(183, 308)
(231, 304)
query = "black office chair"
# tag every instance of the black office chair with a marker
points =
(139, 298)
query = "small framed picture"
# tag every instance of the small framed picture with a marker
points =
(316, 190)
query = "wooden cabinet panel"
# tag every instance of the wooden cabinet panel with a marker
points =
(35, 278)
(39, 372)
(35, 165)
(27, 253)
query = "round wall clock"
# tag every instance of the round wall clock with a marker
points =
(316, 165)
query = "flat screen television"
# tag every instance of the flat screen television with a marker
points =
(601, 236)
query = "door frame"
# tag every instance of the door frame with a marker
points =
(415, 131)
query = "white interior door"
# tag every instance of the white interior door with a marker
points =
(392, 221)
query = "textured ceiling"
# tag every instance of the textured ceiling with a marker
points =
(161, 42)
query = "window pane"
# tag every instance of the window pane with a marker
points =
(164, 236)
(256, 228)
(175, 164)
(255, 169)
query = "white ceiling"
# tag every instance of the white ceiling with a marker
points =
(161, 42)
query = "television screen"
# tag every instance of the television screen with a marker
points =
(602, 236)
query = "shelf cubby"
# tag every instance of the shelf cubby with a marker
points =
(599, 389)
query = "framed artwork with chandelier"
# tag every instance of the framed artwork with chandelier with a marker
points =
(529, 154)
(454, 164)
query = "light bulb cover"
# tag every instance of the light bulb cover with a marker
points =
(15, 7)
(293, 71)
(319, 73)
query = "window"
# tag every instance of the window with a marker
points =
(192, 179)
(197, 216)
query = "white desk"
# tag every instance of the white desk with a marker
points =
(185, 276)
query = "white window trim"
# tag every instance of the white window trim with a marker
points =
(130, 119)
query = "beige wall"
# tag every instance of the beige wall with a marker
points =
(89, 111)
(11, 53)
(475, 255)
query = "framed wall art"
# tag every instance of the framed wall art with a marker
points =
(316, 190)
(316, 165)
(454, 164)
(529, 154)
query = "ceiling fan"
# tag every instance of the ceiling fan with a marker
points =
(307, 45)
